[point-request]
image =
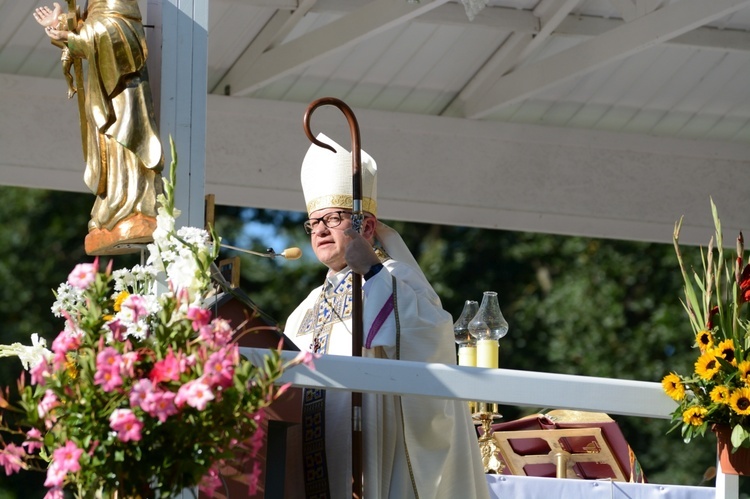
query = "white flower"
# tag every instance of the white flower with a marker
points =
(30, 356)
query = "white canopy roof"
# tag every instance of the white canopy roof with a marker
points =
(595, 117)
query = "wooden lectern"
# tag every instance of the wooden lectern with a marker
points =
(281, 474)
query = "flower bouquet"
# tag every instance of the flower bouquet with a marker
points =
(143, 390)
(717, 392)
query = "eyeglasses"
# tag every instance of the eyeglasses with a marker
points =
(330, 220)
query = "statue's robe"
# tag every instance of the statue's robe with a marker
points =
(124, 154)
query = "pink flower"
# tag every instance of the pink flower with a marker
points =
(127, 368)
(54, 493)
(167, 369)
(11, 458)
(48, 402)
(199, 316)
(65, 342)
(117, 329)
(67, 457)
(217, 334)
(194, 393)
(126, 424)
(160, 404)
(254, 478)
(39, 372)
(210, 482)
(55, 475)
(34, 441)
(219, 368)
(138, 395)
(133, 308)
(306, 358)
(82, 275)
(108, 366)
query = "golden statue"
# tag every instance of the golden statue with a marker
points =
(121, 144)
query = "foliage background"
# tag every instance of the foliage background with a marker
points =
(575, 305)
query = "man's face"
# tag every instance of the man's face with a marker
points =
(329, 244)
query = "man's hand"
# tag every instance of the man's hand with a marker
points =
(359, 253)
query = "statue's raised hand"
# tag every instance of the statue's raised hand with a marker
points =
(49, 18)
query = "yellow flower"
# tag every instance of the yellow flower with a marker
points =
(673, 386)
(726, 350)
(720, 395)
(704, 339)
(70, 366)
(744, 371)
(121, 297)
(739, 401)
(694, 415)
(707, 366)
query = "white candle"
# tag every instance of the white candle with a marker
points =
(487, 353)
(467, 356)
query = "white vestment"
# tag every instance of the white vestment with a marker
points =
(413, 447)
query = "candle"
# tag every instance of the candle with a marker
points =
(487, 353)
(467, 355)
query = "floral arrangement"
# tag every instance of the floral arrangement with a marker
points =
(142, 390)
(718, 390)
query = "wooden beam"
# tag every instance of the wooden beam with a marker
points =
(373, 18)
(649, 30)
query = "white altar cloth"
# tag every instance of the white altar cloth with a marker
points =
(525, 487)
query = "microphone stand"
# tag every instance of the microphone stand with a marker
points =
(357, 218)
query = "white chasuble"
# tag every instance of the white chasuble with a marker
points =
(413, 447)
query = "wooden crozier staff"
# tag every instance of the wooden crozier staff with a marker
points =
(357, 218)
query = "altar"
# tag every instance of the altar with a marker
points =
(505, 486)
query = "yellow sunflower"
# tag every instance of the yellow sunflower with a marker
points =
(720, 395)
(707, 366)
(739, 401)
(744, 371)
(673, 386)
(704, 339)
(694, 415)
(726, 350)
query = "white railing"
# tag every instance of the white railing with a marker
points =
(504, 386)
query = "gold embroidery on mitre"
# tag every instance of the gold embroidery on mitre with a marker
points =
(341, 201)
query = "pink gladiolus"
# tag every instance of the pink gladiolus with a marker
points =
(82, 275)
(67, 457)
(108, 366)
(65, 342)
(34, 440)
(199, 316)
(11, 458)
(126, 424)
(194, 393)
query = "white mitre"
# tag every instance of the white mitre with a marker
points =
(327, 178)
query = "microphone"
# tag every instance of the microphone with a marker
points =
(289, 253)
